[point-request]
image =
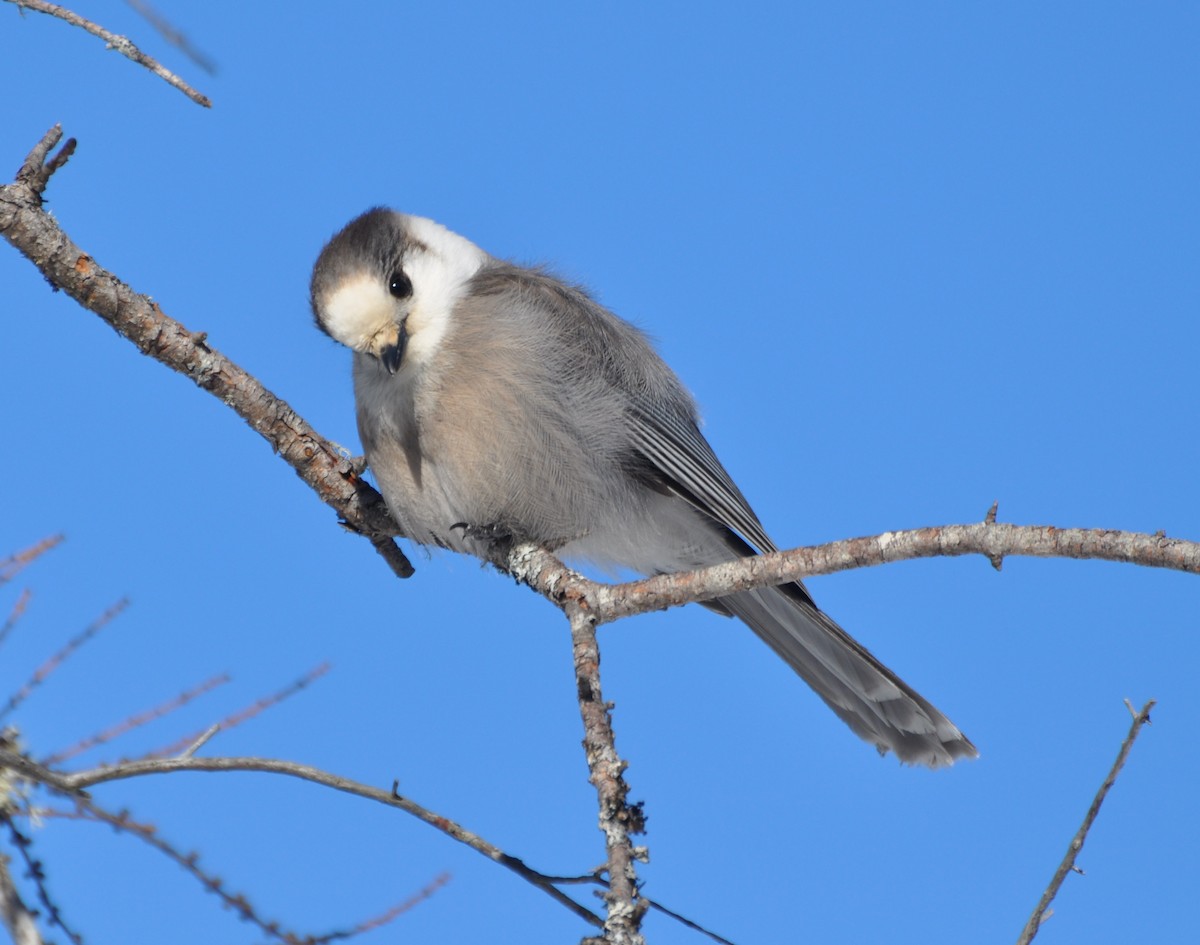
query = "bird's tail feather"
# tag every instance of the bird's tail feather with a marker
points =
(865, 694)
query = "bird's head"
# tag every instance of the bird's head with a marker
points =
(385, 285)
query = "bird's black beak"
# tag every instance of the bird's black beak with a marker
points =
(391, 355)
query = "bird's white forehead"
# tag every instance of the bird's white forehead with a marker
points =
(357, 310)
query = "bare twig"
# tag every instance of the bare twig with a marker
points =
(88, 810)
(35, 872)
(14, 615)
(1068, 861)
(135, 721)
(191, 743)
(139, 319)
(190, 862)
(17, 917)
(685, 921)
(208, 734)
(394, 912)
(73, 784)
(113, 41)
(43, 672)
(173, 36)
(14, 564)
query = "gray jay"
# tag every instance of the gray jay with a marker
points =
(497, 400)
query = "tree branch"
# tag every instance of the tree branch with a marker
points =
(1068, 861)
(138, 318)
(113, 41)
(618, 819)
(995, 541)
(75, 784)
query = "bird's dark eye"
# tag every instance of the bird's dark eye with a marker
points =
(400, 285)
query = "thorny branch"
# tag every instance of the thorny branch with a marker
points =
(113, 41)
(1068, 861)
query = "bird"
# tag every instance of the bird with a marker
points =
(497, 401)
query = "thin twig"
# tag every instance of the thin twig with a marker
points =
(73, 784)
(34, 870)
(1068, 861)
(193, 741)
(136, 721)
(200, 742)
(14, 615)
(190, 862)
(391, 914)
(14, 564)
(113, 41)
(173, 36)
(684, 920)
(43, 672)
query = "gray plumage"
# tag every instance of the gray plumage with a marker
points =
(504, 398)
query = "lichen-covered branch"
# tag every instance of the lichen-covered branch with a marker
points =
(619, 820)
(993, 540)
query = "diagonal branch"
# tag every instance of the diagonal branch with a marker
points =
(113, 41)
(138, 318)
(1068, 861)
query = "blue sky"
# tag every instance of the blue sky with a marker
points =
(910, 258)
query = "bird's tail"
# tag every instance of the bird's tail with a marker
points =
(878, 705)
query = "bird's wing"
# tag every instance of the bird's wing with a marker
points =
(676, 449)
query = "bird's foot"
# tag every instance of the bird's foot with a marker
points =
(493, 534)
